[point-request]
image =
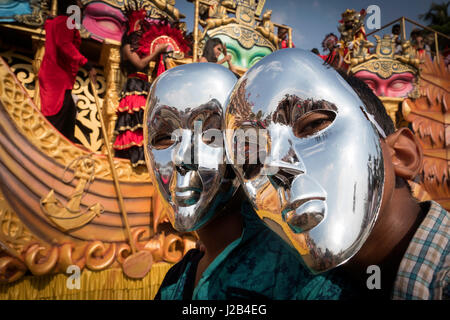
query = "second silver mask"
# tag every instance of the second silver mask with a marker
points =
(318, 152)
(184, 144)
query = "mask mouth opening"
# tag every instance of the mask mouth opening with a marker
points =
(189, 195)
(305, 214)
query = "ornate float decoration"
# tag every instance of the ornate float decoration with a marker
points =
(58, 203)
(391, 76)
(249, 35)
(430, 118)
(353, 34)
(415, 92)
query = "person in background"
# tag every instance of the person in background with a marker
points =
(282, 38)
(212, 51)
(59, 68)
(128, 129)
(398, 42)
(330, 45)
(418, 43)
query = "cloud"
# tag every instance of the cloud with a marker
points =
(316, 4)
(297, 36)
(279, 17)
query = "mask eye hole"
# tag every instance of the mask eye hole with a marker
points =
(313, 122)
(162, 140)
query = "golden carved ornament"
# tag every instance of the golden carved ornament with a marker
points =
(43, 259)
(392, 106)
(14, 236)
(267, 28)
(11, 269)
(430, 120)
(217, 16)
(110, 59)
(384, 62)
(246, 36)
(156, 8)
(70, 216)
(242, 27)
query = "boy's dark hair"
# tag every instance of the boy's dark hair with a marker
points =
(396, 26)
(373, 105)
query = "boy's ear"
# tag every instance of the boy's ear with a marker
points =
(406, 153)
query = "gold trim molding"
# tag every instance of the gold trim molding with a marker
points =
(246, 36)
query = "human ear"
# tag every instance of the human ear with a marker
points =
(406, 153)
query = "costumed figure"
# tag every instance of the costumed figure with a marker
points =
(138, 49)
(330, 45)
(243, 258)
(59, 67)
(282, 38)
(352, 32)
(340, 171)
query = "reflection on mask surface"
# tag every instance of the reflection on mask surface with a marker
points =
(184, 146)
(322, 157)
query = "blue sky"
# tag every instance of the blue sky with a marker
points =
(311, 20)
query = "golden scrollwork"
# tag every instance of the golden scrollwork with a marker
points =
(13, 233)
(40, 259)
(246, 36)
(87, 111)
(384, 62)
(110, 58)
(156, 9)
(217, 16)
(43, 259)
(11, 269)
(245, 12)
(163, 8)
(384, 68)
(22, 66)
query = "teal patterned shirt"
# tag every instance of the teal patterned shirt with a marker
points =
(258, 265)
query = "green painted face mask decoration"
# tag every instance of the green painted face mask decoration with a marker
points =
(242, 57)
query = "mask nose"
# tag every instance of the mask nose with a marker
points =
(284, 167)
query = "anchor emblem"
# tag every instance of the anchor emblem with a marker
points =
(69, 217)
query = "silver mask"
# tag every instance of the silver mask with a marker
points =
(319, 175)
(184, 142)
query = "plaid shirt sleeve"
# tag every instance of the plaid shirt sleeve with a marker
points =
(424, 271)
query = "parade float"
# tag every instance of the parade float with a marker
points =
(59, 201)
(414, 88)
(66, 207)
